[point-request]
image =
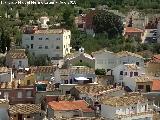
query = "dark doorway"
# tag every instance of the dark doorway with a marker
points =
(20, 117)
(148, 89)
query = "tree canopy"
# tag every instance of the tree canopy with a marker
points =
(109, 23)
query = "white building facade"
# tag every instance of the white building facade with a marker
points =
(109, 60)
(126, 71)
(53, 43)
(134, 111)
(6, 74)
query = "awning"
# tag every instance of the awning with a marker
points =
(81, 78)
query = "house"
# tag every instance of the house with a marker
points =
(153, 66)
(75, 75)
(16, 94)
(54, 43)
(131, 32)
(105, 60)
(80, 58)
(43, 72)
(28, 80)
(92, 93)
(44, 20)
(78, 75)
(17, 58)
(6, 74)
(25, 111)
(81, 118)
(142, 83)
(125, 57)
(4, 105)
(126, 70)
(128, 107)
(69, 109)
(108, 60)
(80, 22)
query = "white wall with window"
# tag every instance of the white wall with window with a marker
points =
(48, 42)
(20, 63)
(127, 71)
(132, 112)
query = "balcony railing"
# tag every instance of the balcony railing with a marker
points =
(135, 114)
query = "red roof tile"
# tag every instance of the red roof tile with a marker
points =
(132, 30)
(70, 105)
(156, 85)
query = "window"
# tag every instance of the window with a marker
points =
(32, 37)
(46, 47)
(67, 92)
(28, 82)
(58, 39)
(121, 72)
(57, 47)
(131, 74)
(137, 63)
(69, 36)
(40, 47)
(126, 73)
(20, 63)
(124, 62)
(135, 73)
(47, 38)
(80, 60)
(29, 94)
(40, 38)
(64, 46)
(27, 46)
(140, 86)
(31, 46)
(19, 94)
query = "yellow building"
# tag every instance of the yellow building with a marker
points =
(28, 80)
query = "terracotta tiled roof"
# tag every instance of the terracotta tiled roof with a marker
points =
(156, 85)
(17, 54)
(24, 108)
(126, 53)
(78, 70)
(132, 30)
(143, 78)
(9, 85)
(131, 66)
(43, 69)
(2, 101)
(124, 100)
(70, 105)
(3, 69)
(95, 89)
